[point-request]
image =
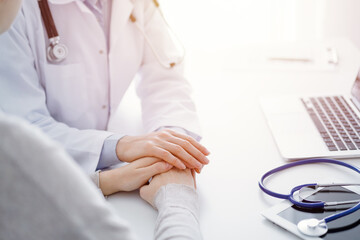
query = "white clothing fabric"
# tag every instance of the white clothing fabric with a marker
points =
(72, 101)
(45, 195)
(102, 11)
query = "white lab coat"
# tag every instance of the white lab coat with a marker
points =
(71, 100)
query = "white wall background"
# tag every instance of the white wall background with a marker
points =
(211, 23)
(342, 19)
(215, 32)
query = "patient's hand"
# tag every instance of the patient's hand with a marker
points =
(186, 177)
(131, 176)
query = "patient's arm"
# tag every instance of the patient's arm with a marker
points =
(173, 194)
(45, 195)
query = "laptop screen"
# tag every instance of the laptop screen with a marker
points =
(355, 91)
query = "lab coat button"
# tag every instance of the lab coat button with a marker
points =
(101, 51)
(104, 106)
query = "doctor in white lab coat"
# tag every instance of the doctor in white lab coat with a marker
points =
(72, 101)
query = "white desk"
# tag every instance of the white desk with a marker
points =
(241, 145)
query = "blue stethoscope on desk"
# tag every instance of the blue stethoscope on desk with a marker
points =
(313, 227)
(57, 52)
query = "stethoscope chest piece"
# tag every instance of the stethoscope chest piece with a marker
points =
(56, 51)
(312, 227)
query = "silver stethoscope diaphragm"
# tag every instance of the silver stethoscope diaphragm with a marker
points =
(312, 227)
(56, 51)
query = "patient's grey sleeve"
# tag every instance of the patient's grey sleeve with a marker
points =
(45, 195)
(178, 208)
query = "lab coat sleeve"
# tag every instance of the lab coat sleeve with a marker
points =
(165, 94)
(108, 155)
(22, 94)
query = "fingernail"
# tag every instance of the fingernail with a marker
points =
(182, 166)
(207, 152)
(197, 170)
(206, 160)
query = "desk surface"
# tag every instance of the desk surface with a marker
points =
(241, 145)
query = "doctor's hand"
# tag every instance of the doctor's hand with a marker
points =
(185, 177)
(131, 176)
(177, 149)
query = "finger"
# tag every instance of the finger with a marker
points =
(191, 149)
(191, 140)
(168, 157)
(145, 193)
(155, 169)
(182, 154)
(187, 165)
(194, 177)
(144, 162)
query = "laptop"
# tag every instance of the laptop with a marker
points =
(316, 127)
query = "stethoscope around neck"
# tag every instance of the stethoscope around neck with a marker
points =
(57, 52)
(313, 227)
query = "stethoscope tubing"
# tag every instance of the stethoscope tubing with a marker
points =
(48, 19)
(291, 198)
(54, 37)
(294, 164)
(311, 205)
(342, 214)
(172, 64)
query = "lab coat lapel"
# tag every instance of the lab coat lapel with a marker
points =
(80, 4)
(120, 13)
(61, 1)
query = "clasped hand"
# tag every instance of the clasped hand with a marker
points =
(151, 155)
(177, 149)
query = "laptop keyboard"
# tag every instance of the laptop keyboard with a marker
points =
(336, 121)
